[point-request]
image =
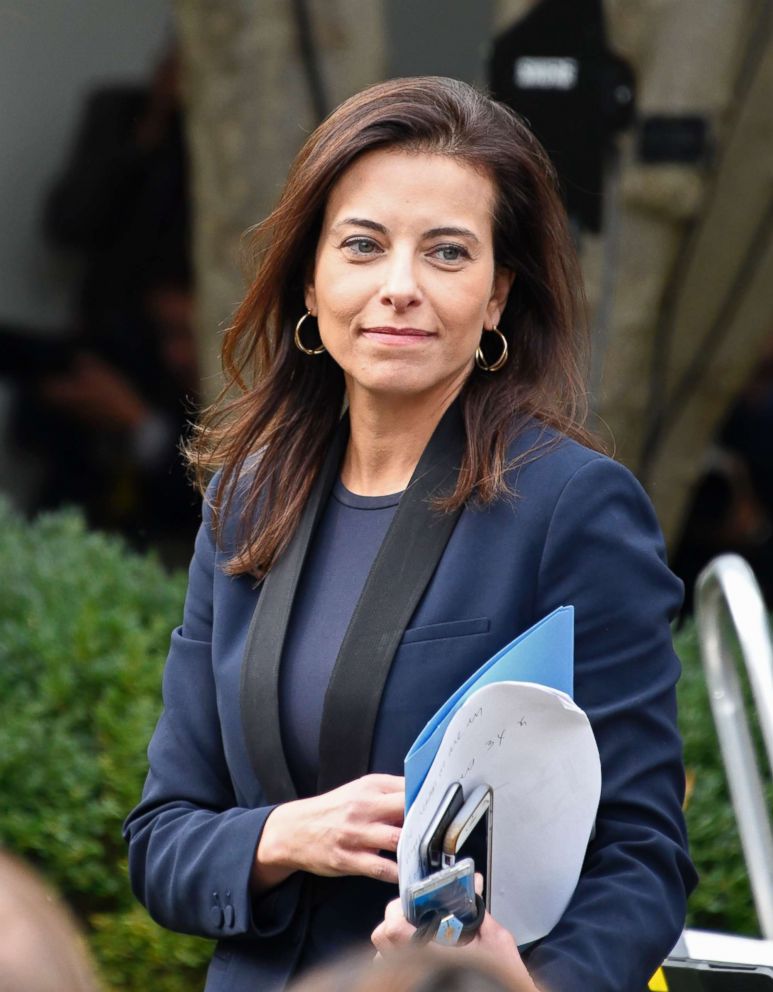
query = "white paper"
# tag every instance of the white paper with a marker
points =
(703, 945)
(537, 752)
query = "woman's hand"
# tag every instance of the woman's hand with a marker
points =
(338, 833)
(491, 941)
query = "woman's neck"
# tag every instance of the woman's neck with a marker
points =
(386, 441)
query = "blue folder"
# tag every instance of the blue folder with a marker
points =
(544, 654)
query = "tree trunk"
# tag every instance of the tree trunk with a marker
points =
(249, 108)
(722, 317)
(679, 271)
(679, 238)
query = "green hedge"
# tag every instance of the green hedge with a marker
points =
(84, 630)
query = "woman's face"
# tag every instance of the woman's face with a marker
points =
(404, 278)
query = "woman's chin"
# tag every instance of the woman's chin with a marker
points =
(405, 388)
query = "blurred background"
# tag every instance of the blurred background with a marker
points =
(141, 139)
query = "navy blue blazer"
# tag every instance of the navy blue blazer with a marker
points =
(580, 531)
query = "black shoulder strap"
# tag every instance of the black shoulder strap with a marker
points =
(403, 567)
(259, 696)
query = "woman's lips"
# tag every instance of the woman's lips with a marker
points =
(397, 335)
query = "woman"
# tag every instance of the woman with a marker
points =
(417, 272)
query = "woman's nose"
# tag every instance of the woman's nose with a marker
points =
(401, 287)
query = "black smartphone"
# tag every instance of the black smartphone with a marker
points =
(431, 844)
(470, 833)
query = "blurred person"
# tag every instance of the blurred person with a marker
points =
(41, 949)
(107, 421)
(731, 509)
(109, 439)
(412, 969)
(748, 428)
(122, 202)
(403, 485)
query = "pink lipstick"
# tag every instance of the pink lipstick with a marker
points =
(397, 335)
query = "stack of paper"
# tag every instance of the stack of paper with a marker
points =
(544, 654)
(536, 750)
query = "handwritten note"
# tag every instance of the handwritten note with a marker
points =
(536, 750)
(544, 653)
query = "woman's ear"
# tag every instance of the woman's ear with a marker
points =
(310, 297)
(503, 282)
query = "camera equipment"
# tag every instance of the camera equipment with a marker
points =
(555, 69)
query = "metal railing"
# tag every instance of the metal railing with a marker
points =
(727, 587)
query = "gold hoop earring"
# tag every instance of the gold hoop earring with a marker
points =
(297, 338)
(480, 358)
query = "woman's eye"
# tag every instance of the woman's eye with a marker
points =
(450, 253)
(361, 246)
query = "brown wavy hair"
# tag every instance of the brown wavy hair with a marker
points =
(282, 406)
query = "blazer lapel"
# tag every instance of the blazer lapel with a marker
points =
(259, 696)
(400, 573)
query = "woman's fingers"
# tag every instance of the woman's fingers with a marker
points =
(378, 837)
(491, 940)
(378, 800)
(390, 808)
(385, 783)
(373, 866)
(393, 931)
(339, 832)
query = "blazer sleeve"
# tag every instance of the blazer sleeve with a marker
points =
(191, 848)
(604, 554)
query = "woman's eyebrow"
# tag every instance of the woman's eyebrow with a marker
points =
(372, 225)
(454, 232)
